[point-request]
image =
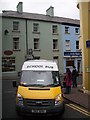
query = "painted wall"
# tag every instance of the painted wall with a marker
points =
(73, 37)
(46, 41)
(84, 8)
(7, 40)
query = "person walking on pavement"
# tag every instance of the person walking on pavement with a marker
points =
(74, 76)
(68, 80)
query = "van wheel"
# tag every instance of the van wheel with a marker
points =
(60, 116)
(63, 110)
(18, 113)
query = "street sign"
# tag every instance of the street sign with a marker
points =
(8, 52)
(88, 43)
(72, 54)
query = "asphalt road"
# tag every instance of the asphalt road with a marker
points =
(8, 105)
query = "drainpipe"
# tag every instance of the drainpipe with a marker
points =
(26, 39)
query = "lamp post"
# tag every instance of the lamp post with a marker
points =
(30, 55)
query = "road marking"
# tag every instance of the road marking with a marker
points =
(79, 109)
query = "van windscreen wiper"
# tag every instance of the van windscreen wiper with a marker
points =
(49, 85)
(52, 85)
(37, 85)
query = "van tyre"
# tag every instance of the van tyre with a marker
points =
(18, 113)
(63, 109)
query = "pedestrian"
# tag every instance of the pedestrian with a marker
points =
(68, 80)
(74, 76)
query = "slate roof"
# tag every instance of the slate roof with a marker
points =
(40, 17)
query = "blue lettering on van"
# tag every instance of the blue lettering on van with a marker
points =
(39, 66)
(49, 67)
(35, 66)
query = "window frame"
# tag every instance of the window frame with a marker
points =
(16, 44)
(67, 30)
(67, 45)
(77, 45)
(77, 29)
(16, 26)
(36, 43)
(37, 57)
(55, 44)
(54, 29)
(8, 64)
(36, 28)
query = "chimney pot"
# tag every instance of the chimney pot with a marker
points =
(50, 11)
(20, 7)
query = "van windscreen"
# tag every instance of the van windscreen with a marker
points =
(40, 78)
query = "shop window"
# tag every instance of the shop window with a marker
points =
(79, 66)
(8, 64)
(70, 63)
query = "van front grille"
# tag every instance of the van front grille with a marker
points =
(33, 102)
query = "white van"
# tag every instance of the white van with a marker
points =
(39, 91)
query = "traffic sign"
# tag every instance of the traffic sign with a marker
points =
(88, 43)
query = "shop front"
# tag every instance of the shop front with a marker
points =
(73, 59)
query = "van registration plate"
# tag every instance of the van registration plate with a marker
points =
(38, 111)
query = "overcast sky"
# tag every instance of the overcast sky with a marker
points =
(62, 8)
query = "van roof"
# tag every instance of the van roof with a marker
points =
(40, 65)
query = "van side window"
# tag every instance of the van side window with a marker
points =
(56, 77)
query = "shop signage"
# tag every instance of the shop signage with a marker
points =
(72, 54)
(8, 52)
(88, 43)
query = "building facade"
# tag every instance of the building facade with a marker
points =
(72, 55)
(23, 32)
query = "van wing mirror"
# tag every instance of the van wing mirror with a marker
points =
(14, 83)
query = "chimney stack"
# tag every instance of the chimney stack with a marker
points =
(50, 11)
(20, 7)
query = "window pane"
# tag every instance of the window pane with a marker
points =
(67, 42)
(54, 29)
(55, 44)
(15, 43)
(35, 27)
(69, 62)
(77, 30)
(66, 29)
(8, 64)
(36, 43)
(77, 44)
(15, 25)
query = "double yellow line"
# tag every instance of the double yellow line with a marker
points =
(79, 109)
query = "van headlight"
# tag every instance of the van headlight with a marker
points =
(58, 99)
(19, 99)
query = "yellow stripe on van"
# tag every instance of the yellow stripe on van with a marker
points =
(36, 93)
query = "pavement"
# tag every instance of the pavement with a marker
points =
(78, 96)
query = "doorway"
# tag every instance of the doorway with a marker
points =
(70, 63)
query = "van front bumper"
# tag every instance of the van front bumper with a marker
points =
(49, 110)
